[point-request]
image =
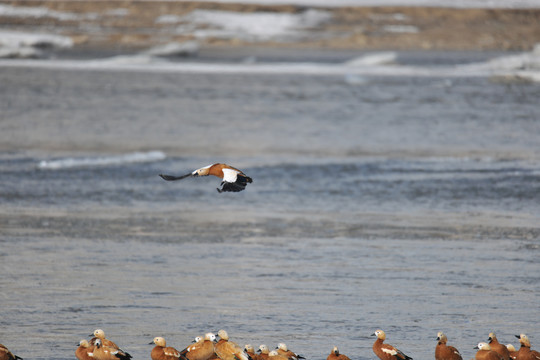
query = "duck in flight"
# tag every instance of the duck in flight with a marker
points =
(233, 179)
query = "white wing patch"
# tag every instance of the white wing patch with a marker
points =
(229, 175)
(390, 351)
(171, 353)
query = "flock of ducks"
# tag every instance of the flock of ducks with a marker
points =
(208, 348)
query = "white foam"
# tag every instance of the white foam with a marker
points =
(101, 160)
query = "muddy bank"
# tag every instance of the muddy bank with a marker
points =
(127, 25)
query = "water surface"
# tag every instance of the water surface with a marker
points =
(403, 203)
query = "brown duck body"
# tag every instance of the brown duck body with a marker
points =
(512, 352)
(202, 350)
(335, 355)
(252, 354)
(486, 353)
(233, 179)
(275, 355)
(386, 351)
(264, 352)
(5, 354)
(105, 352)
(228, 350)
(525, 352)
(445, 352)
(163, 352)
(100, 334)
(283, 350)
(499, 348)
(84, 351)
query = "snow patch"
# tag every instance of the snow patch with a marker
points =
(168, 19)
(29, 45)
(377, 58)
(258, 26)
(188, 48)
(16, 39)
(41, 12)
(401, 29)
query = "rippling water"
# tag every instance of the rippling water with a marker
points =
(406, 204)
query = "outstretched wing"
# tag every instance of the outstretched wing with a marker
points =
(174, 178)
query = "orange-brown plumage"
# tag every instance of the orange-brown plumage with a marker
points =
(100, 334)
(84, 351)
(228, 350)
(5, 354)
(163, 352)
(250, 350)
(486, 353)
(263, 351)
(283, 350)
(445, 352)
(497, 347)
(512, 352)
(385, 351)
(201, 350)
(233, 179)
(275, 355)
(106, 352)
(335, 355)
(525, 352)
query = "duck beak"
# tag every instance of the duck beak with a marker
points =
(519, 337)
(373, 334)
(151, 343)
(476, 347)
(438, 338)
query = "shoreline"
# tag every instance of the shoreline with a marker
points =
(126, 26)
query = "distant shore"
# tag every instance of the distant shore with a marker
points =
(132, 25)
